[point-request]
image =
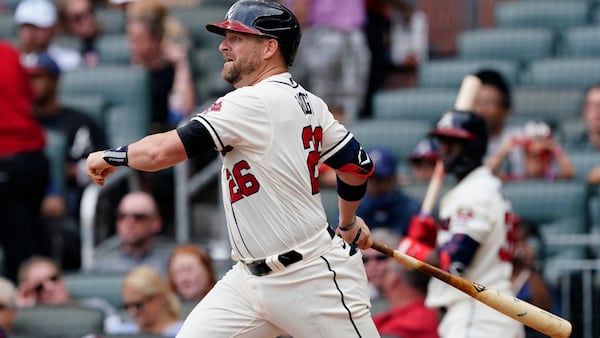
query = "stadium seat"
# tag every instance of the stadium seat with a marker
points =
(581, 42)
(399, 135)
(571, 130)
(91, 104)
(573, 73)
(552, 105)
(195, 19)
(111, 20)
(8, 27)
(63, 321)
(413, 103)
(517, 44)
(126, 92)
(450, 72)
(56, 151)
(329, 198)
(584, 161)
(555, 14)
(99, 285)
(114, 48)
(557, 207)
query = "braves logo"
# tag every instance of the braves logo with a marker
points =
(216, 106)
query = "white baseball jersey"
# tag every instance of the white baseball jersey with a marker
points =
(476, 207)
(272, 137)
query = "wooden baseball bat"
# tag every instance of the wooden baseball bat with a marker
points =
(517, 309)
(464, 101)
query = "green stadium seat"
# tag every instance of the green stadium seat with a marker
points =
(584, 161)
(399, 135)
(329, 198)
(555, 14)
(581, 41)
(552, 105)
(517, 44)
(8, 27)
(62, 321)
(413, 103)
(91, 104)
(450, 72)
(56, 151)
(111, 20)
(95, 285)
(114, 48)
(573, 73)
(557, 207)
(195, 19)
(126, 92)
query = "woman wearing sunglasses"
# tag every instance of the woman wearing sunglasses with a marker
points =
(150, 303)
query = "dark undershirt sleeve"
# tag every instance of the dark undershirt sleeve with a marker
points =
(195, 138)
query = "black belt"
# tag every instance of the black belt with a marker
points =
(260, 267)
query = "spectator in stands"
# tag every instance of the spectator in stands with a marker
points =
(36, 30)
(191, 272)
(408, 317)
(384, 204)
(589, 139)
(377, 266)
(493, 103)
(76, 19)
(137, 242)
(333, 30)
(41, 282)
(8, 306)
(422, 160)
(409, 39)
(150, 302)
(82, 134)
(544, 157)
(159, 43)
(24, 169)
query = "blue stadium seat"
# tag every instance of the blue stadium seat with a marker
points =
(126, 92)
(581, 41)
(556, 14)
(413, 103)
(565, 72)
(450, 72)
(517, 44)
(399, 135)
(58, 321)
(552, 105)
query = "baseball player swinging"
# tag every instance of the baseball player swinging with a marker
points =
(293, 274)
(472, 240)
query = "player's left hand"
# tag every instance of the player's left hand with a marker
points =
(97, 168)
(359, 235)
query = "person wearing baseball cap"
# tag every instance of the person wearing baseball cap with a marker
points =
(36, 20)
(384, 204)
(422, 159)
(82, 136)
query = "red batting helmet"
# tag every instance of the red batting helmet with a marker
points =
(266, 18)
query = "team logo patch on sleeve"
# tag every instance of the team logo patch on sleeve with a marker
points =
(216, 106)
(464, 215)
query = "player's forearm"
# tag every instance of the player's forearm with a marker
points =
(156, 152)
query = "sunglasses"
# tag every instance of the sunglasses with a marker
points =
(78, 17)
(137, 305)
(40, 287)
(378, 258)
(137, 216)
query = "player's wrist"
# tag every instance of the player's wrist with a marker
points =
(117, 156)
(349, 226)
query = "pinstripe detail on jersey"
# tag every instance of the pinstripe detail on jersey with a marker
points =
(341, 296)
(239, 233)
(212, 129)
(328, 153)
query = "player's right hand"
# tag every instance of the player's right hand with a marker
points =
(97, 168)
(359, 235)
(423, 229)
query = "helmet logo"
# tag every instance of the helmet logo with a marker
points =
(446, 121)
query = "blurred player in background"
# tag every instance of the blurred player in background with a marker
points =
(471, 240)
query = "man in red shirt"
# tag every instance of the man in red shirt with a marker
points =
(24, 170)
(407, 317)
